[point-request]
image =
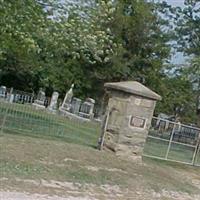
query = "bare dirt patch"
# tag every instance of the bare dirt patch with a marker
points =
(95, 169)
(25, 196)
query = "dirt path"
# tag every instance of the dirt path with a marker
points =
(7, 195)
(55, 190)
(25, 196)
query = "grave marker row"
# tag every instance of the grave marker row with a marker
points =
(70, 106)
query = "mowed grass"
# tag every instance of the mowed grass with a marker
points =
(26, 120)
(177, 152)
(36, 145)
(28, 158)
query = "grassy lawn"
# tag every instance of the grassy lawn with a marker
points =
(178, 152)
(25, 120)
(29, 158)
(198, 159)
(36, 146)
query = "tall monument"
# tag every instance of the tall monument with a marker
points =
(66, 105)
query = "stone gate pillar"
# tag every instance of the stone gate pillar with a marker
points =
(130, 110)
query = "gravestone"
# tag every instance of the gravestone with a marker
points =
(129, 111)
(66, 105)
(3, 92)
(87, 109)
(53, 103)
(11, 100)
(75, 105)
(40, 101)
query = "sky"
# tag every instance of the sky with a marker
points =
(176, 2)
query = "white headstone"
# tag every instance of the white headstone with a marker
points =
(67, 100)
(40, 101)
(54, 99)
(11, 98)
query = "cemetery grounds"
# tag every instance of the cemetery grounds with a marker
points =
(47, 156)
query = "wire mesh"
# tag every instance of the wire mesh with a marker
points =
(172, 141)
(24, 119)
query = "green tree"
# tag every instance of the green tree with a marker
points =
(140, 29)
(188, 28)
(194, 75)
(188, 38)
(50, 44)
(178, 97)
(21, 23)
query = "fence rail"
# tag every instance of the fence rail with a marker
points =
(22, 97)
(172, 141)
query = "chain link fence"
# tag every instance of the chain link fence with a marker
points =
(172, 141)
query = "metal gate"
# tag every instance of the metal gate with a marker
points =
(172, 141)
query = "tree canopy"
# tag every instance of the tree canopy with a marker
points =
(52, 44)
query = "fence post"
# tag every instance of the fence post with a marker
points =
(4, 118)
(196, 152)
(104, 128)
(170, 141)
(6, 113)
